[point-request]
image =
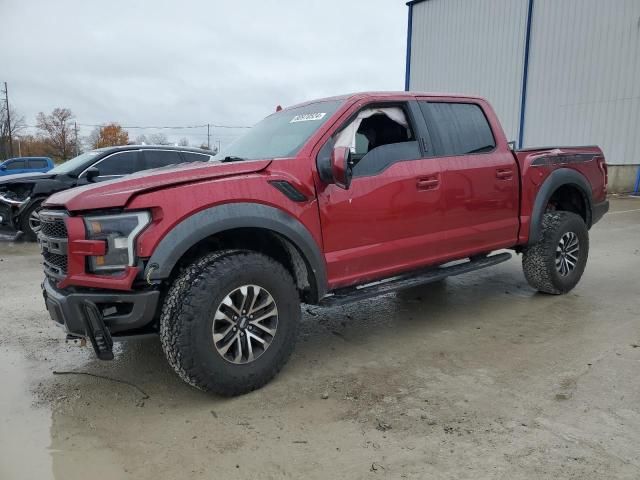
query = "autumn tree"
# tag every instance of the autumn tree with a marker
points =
(58, 132)
(110, 135)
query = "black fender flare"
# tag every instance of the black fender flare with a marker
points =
(210, 221)
(559, 177)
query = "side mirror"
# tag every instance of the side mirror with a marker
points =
(92, 174)
(341, 167)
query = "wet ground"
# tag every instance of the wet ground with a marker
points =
(475, 377)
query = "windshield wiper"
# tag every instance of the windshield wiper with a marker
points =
(233, 159)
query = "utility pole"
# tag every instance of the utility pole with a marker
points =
(208, 137)
(75, 129)
(6, 98)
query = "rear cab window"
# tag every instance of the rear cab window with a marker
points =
(458, 128)
(38, 163)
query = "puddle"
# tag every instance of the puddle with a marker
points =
(24, 430)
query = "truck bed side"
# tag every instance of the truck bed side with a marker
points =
(544, 170)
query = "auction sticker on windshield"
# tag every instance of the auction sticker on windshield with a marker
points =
(308, 117)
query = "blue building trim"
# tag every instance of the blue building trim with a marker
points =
(407, 66)
(525, 75)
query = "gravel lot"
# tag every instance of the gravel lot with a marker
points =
(475, 377)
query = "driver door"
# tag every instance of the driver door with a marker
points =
(390, 219)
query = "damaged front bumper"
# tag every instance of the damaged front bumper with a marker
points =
(11, 208)
(97, 316)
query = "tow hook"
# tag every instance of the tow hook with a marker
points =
(150, 269)
(75, 340)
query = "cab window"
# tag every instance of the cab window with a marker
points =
(121, 163)
(378, 137)
(16, 165)
(160, 158)
(38, 163)
(460, 128)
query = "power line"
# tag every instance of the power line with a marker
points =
(174, 127)
(167, 127)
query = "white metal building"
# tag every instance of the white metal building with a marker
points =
(558, 72)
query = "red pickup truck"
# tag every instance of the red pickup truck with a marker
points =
(327, 202)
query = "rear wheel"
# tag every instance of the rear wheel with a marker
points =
(555, 264)
(30, 221)
(230, 321)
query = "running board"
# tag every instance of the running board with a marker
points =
(349, 295)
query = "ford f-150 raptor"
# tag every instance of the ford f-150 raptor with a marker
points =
(326, 202)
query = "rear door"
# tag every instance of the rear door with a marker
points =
(480, 178)
(390, 219)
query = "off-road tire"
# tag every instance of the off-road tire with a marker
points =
(26, 229)
(539, 260)
(188, 311)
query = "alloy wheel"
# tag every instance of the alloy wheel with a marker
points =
(245, 324)
(34, 222)
(567, 253)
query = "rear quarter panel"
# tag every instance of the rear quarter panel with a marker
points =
(536, 165)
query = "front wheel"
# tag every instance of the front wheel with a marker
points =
(555, 264)
(230, 321)
(30, 221)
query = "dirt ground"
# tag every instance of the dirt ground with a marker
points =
(475, 377)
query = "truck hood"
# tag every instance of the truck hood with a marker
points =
(22, 177)
(117, 193)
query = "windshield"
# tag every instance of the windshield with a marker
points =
(282, 134)
(75, 163)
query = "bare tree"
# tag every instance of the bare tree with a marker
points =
(17, 126)
(92, 139)
(57, 129)
(158, 139)
(141, 140)
(184, 142)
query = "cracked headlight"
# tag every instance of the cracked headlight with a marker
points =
(119, 232)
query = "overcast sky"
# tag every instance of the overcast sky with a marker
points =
(193, 62)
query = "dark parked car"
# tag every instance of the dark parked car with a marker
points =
(17, 165)
(21, 195)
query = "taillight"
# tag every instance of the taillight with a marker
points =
(602, 164)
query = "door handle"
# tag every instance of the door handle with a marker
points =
(427, 183)
(504, 174)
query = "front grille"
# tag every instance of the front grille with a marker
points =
(54, 227)
(53, 242)
(55, 260)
